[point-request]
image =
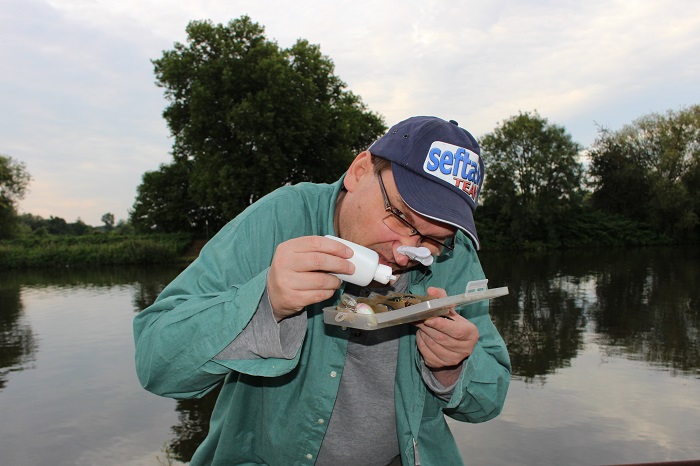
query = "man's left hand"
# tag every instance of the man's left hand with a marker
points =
(445, 342)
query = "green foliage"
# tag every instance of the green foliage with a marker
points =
(247, 117)
(97, 249)
(619, 176)
(533, 177)
(164, 204)
(593, 229)
(14, 180)
(8, 221)
(36, 225)
(580, 228)
(650, 171)
(108, 220)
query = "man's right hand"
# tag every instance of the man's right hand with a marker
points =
(300, 273)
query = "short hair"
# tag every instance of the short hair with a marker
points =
(380, 164)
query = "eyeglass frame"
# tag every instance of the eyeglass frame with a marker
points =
(401, 216)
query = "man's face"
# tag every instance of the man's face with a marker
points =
(362, 214)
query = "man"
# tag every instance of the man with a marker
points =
(248, 314)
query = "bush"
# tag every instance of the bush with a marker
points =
(579, 228)
(41, 250)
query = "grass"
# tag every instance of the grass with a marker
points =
(96, 249)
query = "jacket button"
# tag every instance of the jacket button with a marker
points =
(334, 373)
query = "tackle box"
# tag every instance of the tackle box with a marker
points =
(476, 291)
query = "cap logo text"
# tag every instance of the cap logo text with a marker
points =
(455, 165)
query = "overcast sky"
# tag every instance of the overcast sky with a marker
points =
(80, 108)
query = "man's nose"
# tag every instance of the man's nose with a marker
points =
(402, 259)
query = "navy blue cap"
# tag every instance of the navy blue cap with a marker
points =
(437, 167)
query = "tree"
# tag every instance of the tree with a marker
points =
(248, 117)
(14, 180)
(618, 176)
(532, 175)
(108, 220)
(164, 205)
(54, 226)
(650, 170)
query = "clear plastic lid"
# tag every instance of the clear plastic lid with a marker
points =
(476, 291)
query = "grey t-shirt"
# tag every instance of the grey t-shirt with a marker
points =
(364, 412)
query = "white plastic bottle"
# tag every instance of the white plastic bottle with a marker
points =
(367, 266)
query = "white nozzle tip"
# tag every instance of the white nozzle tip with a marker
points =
(383, 274)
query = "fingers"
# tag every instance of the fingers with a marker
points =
(436, 292)
(445, 342)
(433, 356)
(314, 254)
(300, 272)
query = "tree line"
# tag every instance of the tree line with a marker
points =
(634, 186)
(247, 117)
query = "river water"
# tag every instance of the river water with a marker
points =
(604, 346)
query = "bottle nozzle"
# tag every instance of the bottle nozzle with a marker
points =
(383, 274)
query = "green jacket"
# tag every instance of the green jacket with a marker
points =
(272, 411)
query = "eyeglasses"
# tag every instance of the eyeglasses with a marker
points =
(396, 221)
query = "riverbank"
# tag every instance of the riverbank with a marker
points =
(32, 251)
(95, 249)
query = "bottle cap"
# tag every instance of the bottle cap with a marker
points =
(383, 274)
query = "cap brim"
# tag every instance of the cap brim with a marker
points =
(419, 194)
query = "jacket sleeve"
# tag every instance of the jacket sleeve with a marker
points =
(264, 337)
(480, 392)
(209, 304)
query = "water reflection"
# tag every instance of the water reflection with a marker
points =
(148, 290)
(193, 416)
(17, 342)
(69, 277)
(651, 311)
(18, 345)
(642, 304)
(542, 317)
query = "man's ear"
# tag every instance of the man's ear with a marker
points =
(358, 169)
